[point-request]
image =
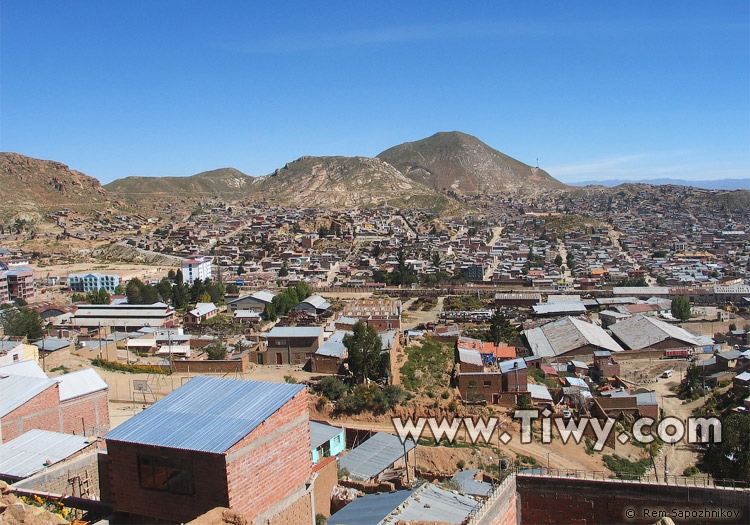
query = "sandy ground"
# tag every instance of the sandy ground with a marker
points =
(125, 271)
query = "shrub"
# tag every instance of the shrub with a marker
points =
(290, 379)
(461, 464)
(332, 387)
(114, 366)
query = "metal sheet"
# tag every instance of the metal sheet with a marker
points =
(33, 451)
(374, 455)
(207, 414)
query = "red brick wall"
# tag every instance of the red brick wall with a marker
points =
(46, 412)
(209, 478)
(278, 466)
(556, 500)
(40, 412)
(90, 412)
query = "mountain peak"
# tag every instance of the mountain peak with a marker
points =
(460, 162)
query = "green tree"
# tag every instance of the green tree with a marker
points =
(681, 308)
(365, 357)
(133, 291)
(283, 271)
(25, 322)
(100, 297)
(730, 458)
(216, 351)
(501, 330)
(269, 312)
(120, 290)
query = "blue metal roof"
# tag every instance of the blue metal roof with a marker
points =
(374, 455)
(369, 510)
(207, 414)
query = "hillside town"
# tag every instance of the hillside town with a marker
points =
(242, 360)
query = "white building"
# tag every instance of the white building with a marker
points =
(198, 268)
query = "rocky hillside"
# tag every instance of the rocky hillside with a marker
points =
(462, 163)
(29, 185)
(221, 182)
(342, 182)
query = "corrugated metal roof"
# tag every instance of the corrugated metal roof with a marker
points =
(80, 383)
(51, 344)
(539, 392)
(467, 355)
(642, 331)
(321, 433)
(369, 510)
(317, 301)
(468, 485)
(431, 503)
(374, 455)
(28, 368)
(512, 364)
(567, 334)
(538, 343)
(203, 309)
(334, 347)
(295, 331)
(207, 414)
(17, 390)
(562, 307)
(35, 450)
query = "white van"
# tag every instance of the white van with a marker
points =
(667, 373)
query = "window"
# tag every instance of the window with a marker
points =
(487, 384)
(167, 474)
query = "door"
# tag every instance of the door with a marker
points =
(278, 358)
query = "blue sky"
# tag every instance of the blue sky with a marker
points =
(170, 88)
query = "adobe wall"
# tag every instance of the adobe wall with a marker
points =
(547, 500)
(200, 366)
(327, 478)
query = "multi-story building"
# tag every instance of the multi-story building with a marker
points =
(197, 268)
(20, 283)
(93, 282)
(4, 292)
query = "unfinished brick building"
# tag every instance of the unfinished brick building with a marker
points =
(214, 442)
(75, 403)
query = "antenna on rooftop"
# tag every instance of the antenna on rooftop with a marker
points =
(537, 162)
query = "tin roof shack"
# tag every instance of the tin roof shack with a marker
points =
(201, 313)
(53, 351)
(255, 301)
(426, 504)
(293, 344)
(213, 442)
(330, 357)
(377, 457)
(325, 441)
(37, 450)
